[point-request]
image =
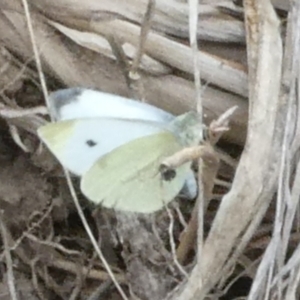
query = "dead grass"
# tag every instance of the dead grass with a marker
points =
(250, 226)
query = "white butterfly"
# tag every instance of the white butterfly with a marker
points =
(90, 129)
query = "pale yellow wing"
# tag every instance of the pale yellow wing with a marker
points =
(128, 177)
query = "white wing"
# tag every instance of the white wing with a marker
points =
(78, 144)
(76, 103)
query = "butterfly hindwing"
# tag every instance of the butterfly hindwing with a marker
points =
(128, 177)
(77, 144)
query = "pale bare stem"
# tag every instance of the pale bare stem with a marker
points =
(67, 175)
(52, 244)
(293, 202)
(9, 262)
(283, 201)
(36, 53)
(272, 258)
(193, 27)
(188, 237)
(294, 285)
(293, 261)
(219, 126)
(172, 244)
(183, 156)
(232, 162)
(16, 137)
(145, 28)
(286, 201)
(78, 282)
(94, 274)
(34, 277)
(180, 216)
(121, 58)
(7, 101)
(8, 112)
(91, 236)
(223, 183)
(225, 117)
(100, 291)
(19, 75)
(255, 178)
(229, 284)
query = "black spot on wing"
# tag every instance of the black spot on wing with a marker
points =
(91, 143)
(167, 174)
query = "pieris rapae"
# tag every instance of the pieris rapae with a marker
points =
(78, 103)
(93, 128)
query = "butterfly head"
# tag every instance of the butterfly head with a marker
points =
(188, 128)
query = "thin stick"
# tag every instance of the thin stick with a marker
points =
(172, 243)
(193, 26)
(121, 58)
(185, 155)
(13, 130)
(91, 236)
(67, 175)
(187, 240)
(9, 263)
(145, 27)
(35, 51)
(8, 112)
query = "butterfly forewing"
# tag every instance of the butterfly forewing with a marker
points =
(56, 136)
(77, 144)
(128, 177)
(78, 103)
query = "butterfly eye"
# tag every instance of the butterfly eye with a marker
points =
(167, 173)
(91, 143)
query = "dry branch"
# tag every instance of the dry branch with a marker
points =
(244, 206)
(74, 41)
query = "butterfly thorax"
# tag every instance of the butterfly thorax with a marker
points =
(188, 128)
